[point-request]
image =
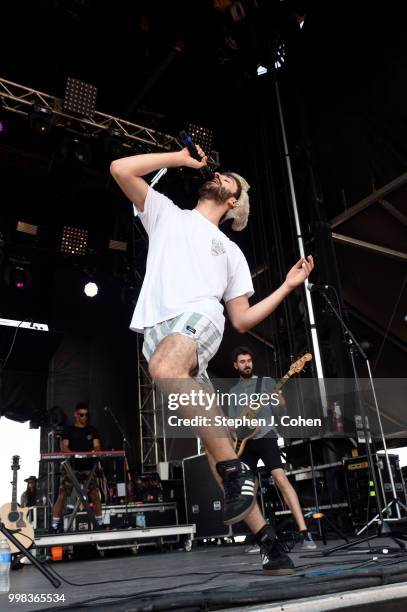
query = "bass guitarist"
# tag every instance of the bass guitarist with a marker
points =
(264, 443)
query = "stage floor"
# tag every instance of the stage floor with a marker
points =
(225, 577)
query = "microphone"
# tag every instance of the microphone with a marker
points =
(312, 287)
(206, 172)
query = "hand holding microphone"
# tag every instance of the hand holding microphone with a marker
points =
(194, 157)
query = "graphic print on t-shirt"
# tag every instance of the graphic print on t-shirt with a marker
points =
(217, 247)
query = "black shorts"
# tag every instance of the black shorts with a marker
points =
(265, 449)
(82, 476)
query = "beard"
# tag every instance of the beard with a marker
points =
(211, 191)
(246, 373)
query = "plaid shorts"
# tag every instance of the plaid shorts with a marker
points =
(193, 325)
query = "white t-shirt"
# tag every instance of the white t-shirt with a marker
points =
(191, 266)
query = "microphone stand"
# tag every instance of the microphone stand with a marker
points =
(354, 348)
(49, 575)
(125, 446)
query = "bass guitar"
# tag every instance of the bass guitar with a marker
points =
(244, 433)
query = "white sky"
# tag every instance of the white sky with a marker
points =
(17, 439)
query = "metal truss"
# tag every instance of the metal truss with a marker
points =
(152, 447)
(376, 197)
(24, 101)
(369, 246)
(372, 198)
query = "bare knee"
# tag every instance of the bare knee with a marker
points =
(161, 369)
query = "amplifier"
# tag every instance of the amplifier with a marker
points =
(362, 496)
(203, 498)
(204, 501)
(81, 522)
(272, 499)
(142, 516)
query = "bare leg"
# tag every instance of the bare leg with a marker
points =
(170, 366)
(94, 497)
(59, 504)
(290, 496)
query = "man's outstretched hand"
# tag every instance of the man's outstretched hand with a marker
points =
(299, 272)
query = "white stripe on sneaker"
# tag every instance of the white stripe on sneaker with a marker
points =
(247, 493)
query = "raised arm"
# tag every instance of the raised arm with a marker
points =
(128, 171)
(244, 317)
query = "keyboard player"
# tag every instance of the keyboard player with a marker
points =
(79, 437)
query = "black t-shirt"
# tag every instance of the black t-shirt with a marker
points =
(81, 439)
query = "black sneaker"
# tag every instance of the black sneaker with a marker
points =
(240, 486)
(274, 559)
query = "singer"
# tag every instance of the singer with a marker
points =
(191, 268)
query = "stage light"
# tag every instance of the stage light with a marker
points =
(117, 245)
(27, 228)
(91, 289)
(17, 274)
(74, 241)
(2, 126)
(73, 148)
(41, 120)
(202, 136)
(261, 70)
(80, 97)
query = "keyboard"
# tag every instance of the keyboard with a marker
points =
(83, 455)
(24, 324)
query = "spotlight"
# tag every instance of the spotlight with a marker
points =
(80, 97)
(202, 136)
(73, 148)
(27, 228)
(74, 241)
(117, 245)
(261, 70)
(41, 120)
(91, 289)
(17, 274)
(20, 278)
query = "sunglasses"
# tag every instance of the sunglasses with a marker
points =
(83, 414)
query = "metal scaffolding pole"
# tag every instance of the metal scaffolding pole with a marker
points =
(300, 242)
